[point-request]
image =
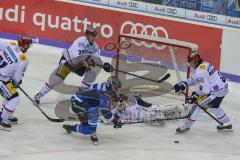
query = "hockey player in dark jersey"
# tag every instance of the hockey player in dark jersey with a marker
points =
(87, 105)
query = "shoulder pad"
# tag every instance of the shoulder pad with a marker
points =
(13, 43)
(22, 57)
(202, 67)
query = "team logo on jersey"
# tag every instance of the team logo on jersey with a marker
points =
(22, 57)
(81, 44)
(200, 80)
(203, 67)
(9, 60)
(13, 43)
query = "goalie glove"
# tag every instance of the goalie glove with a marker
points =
(107, 67)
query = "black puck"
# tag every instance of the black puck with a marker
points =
(176, 141)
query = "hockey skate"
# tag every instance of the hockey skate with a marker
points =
(68, 128)
(12, 119)
(225, 128)
(4, 125)
(180, 130)
(37, 98)
(94, 138)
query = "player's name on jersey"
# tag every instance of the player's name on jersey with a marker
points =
(206, 17)
(104, 2)
(128, 4)
(160, 9)
(233, 21)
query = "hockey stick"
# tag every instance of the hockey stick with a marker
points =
(209, 114)
(205, 111)
(35, 104)
(111, 68)
(165, 77)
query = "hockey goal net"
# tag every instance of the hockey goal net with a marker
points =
(152, 58)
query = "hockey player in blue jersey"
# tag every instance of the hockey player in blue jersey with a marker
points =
(87, 105)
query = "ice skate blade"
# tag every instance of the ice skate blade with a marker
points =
(5, 129)
(182, 132)
(230, 130)
(95, 143)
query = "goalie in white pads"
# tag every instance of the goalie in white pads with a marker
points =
(13, 64)
(212, 88)
(79, 58)
(132, 109)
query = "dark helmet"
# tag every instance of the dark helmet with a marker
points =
(91, 31)
(113, 83)
(24, 42)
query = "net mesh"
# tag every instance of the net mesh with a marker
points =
(152, 58)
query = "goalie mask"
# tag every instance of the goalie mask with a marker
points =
(24, 42)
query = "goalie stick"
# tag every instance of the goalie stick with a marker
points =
(49, 118)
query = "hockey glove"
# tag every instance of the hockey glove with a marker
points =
(16, 84)
(179, 87)
(107, 67)
(193, 98)
(117, 122)
(90, 61)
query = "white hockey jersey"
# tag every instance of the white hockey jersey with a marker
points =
(13, 62)
(81, 46)
(208, 81)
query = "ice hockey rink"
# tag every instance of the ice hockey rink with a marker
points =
(36, 138)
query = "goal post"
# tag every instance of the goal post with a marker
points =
(152, 57)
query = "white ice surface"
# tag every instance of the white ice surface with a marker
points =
(36, 138)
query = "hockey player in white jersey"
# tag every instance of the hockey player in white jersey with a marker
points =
(79, 58)
(212, 88)
(13, 64)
